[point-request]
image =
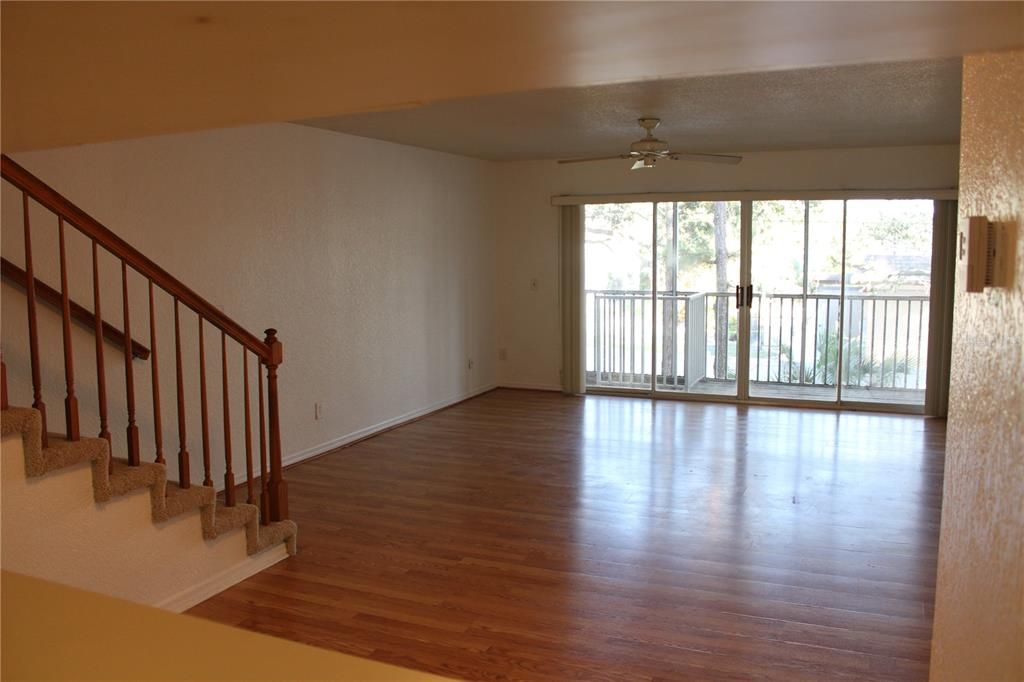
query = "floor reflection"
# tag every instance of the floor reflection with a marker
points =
(529, 535)
(727, 480)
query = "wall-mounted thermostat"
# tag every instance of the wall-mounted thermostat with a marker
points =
(982, 253)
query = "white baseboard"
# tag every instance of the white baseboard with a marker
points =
(301, 455)
(216, 584)
(532, 387)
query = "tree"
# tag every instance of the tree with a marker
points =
(721, 284)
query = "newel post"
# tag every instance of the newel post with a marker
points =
(278, 488)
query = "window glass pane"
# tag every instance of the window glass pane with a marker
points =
(796, 254)
(697, 321)
(618, 282)
(888, 284)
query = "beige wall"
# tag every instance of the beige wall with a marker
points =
(374, 261)
(528, 319)
(979, 618)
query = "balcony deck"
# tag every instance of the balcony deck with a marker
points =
(772, 390)
(860, 394)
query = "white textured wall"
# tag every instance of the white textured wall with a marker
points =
(979, 616)
(373, 260)
(528, 319)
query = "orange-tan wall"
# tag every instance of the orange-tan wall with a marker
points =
(979, 619)
(78, 72)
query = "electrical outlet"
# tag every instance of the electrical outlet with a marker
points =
(317, 410)
(502, 354)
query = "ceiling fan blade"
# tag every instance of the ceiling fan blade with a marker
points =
(645, 161)
(708, 158)
(596, 158)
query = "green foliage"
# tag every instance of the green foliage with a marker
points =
(822, 370)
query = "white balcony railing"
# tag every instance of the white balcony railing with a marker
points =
(795, 339)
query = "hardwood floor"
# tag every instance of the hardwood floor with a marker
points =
(527, 535)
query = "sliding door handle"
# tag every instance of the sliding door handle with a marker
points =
(739, 297)
(750, 295)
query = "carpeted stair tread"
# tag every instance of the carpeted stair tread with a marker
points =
(239, 516)
(278, 531)
(126, 478)
(180, 500)
(257, 537)
(167, 498)
(60, 452)
(20, 420)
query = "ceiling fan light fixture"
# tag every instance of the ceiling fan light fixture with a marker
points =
(649, 149)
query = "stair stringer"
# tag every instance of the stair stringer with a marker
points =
(167, 499)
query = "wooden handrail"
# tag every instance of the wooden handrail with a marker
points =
(47, 294)
(89, 226)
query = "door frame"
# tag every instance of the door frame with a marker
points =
(746, 199)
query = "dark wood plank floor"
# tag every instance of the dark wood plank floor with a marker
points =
(527, 535)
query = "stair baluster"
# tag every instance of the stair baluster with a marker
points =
(184, 479)
(70, 401)
(229, 475)
(158, 435)
(264, 483)
(129, 374)
(101, 372)
(33, 329)
(207, 477)
(250, 497)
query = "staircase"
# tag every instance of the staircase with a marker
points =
(118, 465)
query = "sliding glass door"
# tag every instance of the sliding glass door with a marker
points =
(796, 258)
(619, 290)
(686, 328)
(697, 322)
(815, 301)
(840, 309)
(888, 284)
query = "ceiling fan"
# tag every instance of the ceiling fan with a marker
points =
(647, 151)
